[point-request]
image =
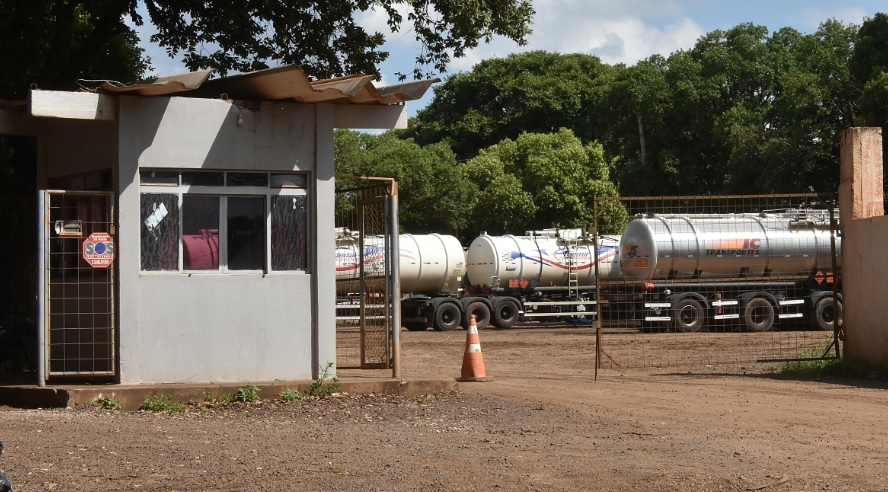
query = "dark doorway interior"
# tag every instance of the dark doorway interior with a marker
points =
(18, 257)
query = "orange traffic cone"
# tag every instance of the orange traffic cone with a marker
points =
(473, 359)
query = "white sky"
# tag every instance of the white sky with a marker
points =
(617, 31)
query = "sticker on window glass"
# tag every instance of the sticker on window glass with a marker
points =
(154, 219)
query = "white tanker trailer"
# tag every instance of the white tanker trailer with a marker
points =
(431, 264)
(548, 274)
(690, 270)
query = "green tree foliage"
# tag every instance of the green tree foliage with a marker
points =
(54, 43)
(539, 181)
(503, 206)
(635, 125)
(434, 194)
(536, 181)
(535, 92)
(324, 37)
(869, 67)
(743, 111)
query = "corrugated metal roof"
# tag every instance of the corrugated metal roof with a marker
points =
(284, 83)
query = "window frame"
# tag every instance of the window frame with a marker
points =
(222, 193)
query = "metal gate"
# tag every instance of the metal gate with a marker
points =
(78, 314)
(367, 272)
(718, 280)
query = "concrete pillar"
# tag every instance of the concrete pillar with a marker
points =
(860, 188)
(864, 234)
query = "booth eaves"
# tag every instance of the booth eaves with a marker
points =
(285, 83)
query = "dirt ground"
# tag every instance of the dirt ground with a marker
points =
(544, 423)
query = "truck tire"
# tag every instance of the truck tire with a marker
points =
(481, 312)
(415, 326)
(447, 316)
(506, 313)
(825, 313)
(688, 316)
(759, 314)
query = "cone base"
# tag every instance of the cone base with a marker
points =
(474, 380)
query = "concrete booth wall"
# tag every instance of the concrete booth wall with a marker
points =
(215, 325)
(228, 326)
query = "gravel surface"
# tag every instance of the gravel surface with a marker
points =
(543, 423)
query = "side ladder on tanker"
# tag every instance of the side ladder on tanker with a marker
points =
(573, 275)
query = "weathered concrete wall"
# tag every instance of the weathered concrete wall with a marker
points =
(223, 327)
(864, 236)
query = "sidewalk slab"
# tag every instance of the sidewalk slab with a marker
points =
(132, 397)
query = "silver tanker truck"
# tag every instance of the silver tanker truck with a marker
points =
(688, 272)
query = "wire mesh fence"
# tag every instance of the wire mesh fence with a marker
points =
(719, 280)
(363, 273)
(80, 307)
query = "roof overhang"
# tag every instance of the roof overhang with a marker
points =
(363, 105)
(284, 83)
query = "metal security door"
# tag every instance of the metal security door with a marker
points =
(367, 305)
(79, 285)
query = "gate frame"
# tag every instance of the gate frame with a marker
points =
(392, 297)
(43, 263)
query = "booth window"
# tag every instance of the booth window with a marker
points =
(237, 221)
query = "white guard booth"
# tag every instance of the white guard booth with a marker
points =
(186, 223)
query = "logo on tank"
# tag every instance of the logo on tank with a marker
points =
(735, 247)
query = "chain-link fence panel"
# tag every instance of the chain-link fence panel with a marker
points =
(719, 280)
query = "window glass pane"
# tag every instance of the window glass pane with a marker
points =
(288, 181)
(203, 178)
(289, 219)
(154, 177)
(248, 179)
(160, 231)
(246, 233)
(200, 232)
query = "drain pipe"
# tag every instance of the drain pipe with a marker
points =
(42, 265)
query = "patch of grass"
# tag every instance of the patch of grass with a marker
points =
(105, 402)
(324, 385)
(287, 395)
(162, 403)
(812, 367)
(247, 394)
(805, 368)
(221, 398)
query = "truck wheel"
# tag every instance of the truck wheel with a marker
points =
(415, 326)
(688, 316)
(825, 313)
(481, 312)
(446, 316)
(759, 314)
(506, 313)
